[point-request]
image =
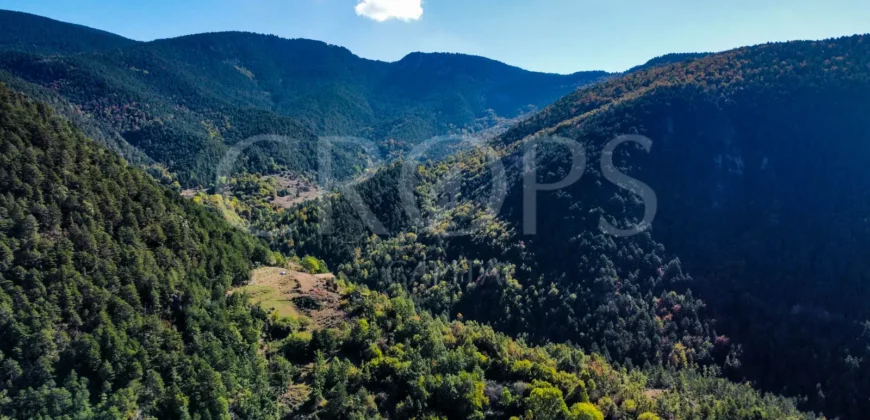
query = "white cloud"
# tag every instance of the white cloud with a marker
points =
(383, 10)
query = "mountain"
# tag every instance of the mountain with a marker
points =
(120, 299)
(755, 259)
(184, 101)
(339, 93)
(36, 34)
(756, 160)
(162, 115)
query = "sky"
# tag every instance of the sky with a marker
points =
(558, 36)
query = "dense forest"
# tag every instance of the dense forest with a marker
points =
(115, 303)
(776, 290)
(112, 296)
(392, 362)
(188, 140)
(757, 160)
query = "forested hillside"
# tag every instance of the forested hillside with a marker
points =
(118, 300)
(757, 160)
(112, 287)
(754, 261)
(391, 361)
(184, 101)
(189, 138)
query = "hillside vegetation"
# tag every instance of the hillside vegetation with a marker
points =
(757, 163)
(119, 299)
(757, 160)
(391, 361)
(112, 287)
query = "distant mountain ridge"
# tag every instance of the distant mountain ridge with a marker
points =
(203, 89)
(293, 76)
(36, 34)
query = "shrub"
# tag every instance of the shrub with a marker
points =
(585, 411)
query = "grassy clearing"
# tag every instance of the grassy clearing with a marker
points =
(274, 289)
(271, 299)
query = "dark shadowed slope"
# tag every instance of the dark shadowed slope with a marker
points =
(759, 163)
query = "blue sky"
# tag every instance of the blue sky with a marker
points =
(560, 36)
